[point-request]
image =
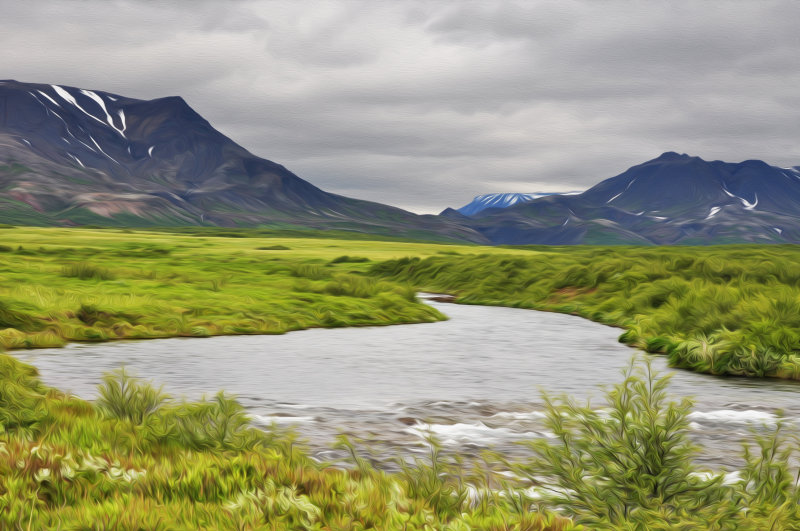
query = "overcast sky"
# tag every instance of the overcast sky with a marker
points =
(424, 105)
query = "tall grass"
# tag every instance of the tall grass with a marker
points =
(126, 463)
(124, 397)
(134, 462)
(86, 271)
(722, 310)
(129, 285)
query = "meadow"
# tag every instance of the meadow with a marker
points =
(139, 459)
(60, 285)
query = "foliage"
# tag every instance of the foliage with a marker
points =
(124, 397)
(138, 460)
(198, 466)
(625, 464)
(64, 285)
(345, 259)
(722, 310)
(86, 271)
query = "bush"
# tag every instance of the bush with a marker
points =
(311, 271)
(220, 424)
(627, 465)
(11, 318)
(344, 259)
(126, 398)
(86, 271)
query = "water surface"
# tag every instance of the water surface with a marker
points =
(474, 381)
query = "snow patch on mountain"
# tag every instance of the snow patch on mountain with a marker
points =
(745, 203)
(622, 192)
(94, 96)
(54, 102)
(502, 200)
(76, 159)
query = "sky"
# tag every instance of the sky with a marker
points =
(425, 104)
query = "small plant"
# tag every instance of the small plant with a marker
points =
(86, 271)
(625, 465)
(124, 397)
(310, 271)
(438, 481)
(12, 318)
(273, 248)
(220, 423)
(344, 259)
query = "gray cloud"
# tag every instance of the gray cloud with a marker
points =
(424, 105)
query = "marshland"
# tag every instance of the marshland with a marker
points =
(136, 455)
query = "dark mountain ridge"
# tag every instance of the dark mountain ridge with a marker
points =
(672, 199)
(72, 156)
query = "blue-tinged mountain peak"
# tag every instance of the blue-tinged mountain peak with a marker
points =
(501, 200)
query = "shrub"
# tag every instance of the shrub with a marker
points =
(274, 248)
(344, 259)
(12, 318)
(220, 423)
(627, 465)
(86, 271)
(311, 271)
(125, 397)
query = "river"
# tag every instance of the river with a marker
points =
(473, 381)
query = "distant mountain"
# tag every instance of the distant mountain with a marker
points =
(72, 156)
(673, 199)
(482, 202)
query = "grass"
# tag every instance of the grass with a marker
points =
(138, 459)
(60, 285)
(728, 310)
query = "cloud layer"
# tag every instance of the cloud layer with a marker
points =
(423, 105)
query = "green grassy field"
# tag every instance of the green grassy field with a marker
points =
(59, 285)
(137, 459)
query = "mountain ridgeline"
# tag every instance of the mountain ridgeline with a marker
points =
(482, 202)
(673, 199)
(72, 156)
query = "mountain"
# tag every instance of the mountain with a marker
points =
(673, 199)
(71, 156)
(482, 202)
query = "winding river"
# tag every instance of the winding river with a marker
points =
(473, 381)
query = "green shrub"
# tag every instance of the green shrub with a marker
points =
(344, 259)
(274, 248)
(13, 318)
(310, 271)
(86, 271)
(220, 423)
(126, 398)
(626, 465)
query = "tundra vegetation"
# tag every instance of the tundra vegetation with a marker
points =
(139, 459)
(728, 310)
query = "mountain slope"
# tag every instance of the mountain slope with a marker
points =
(71, 156)
(673, 199)
(482, 202)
